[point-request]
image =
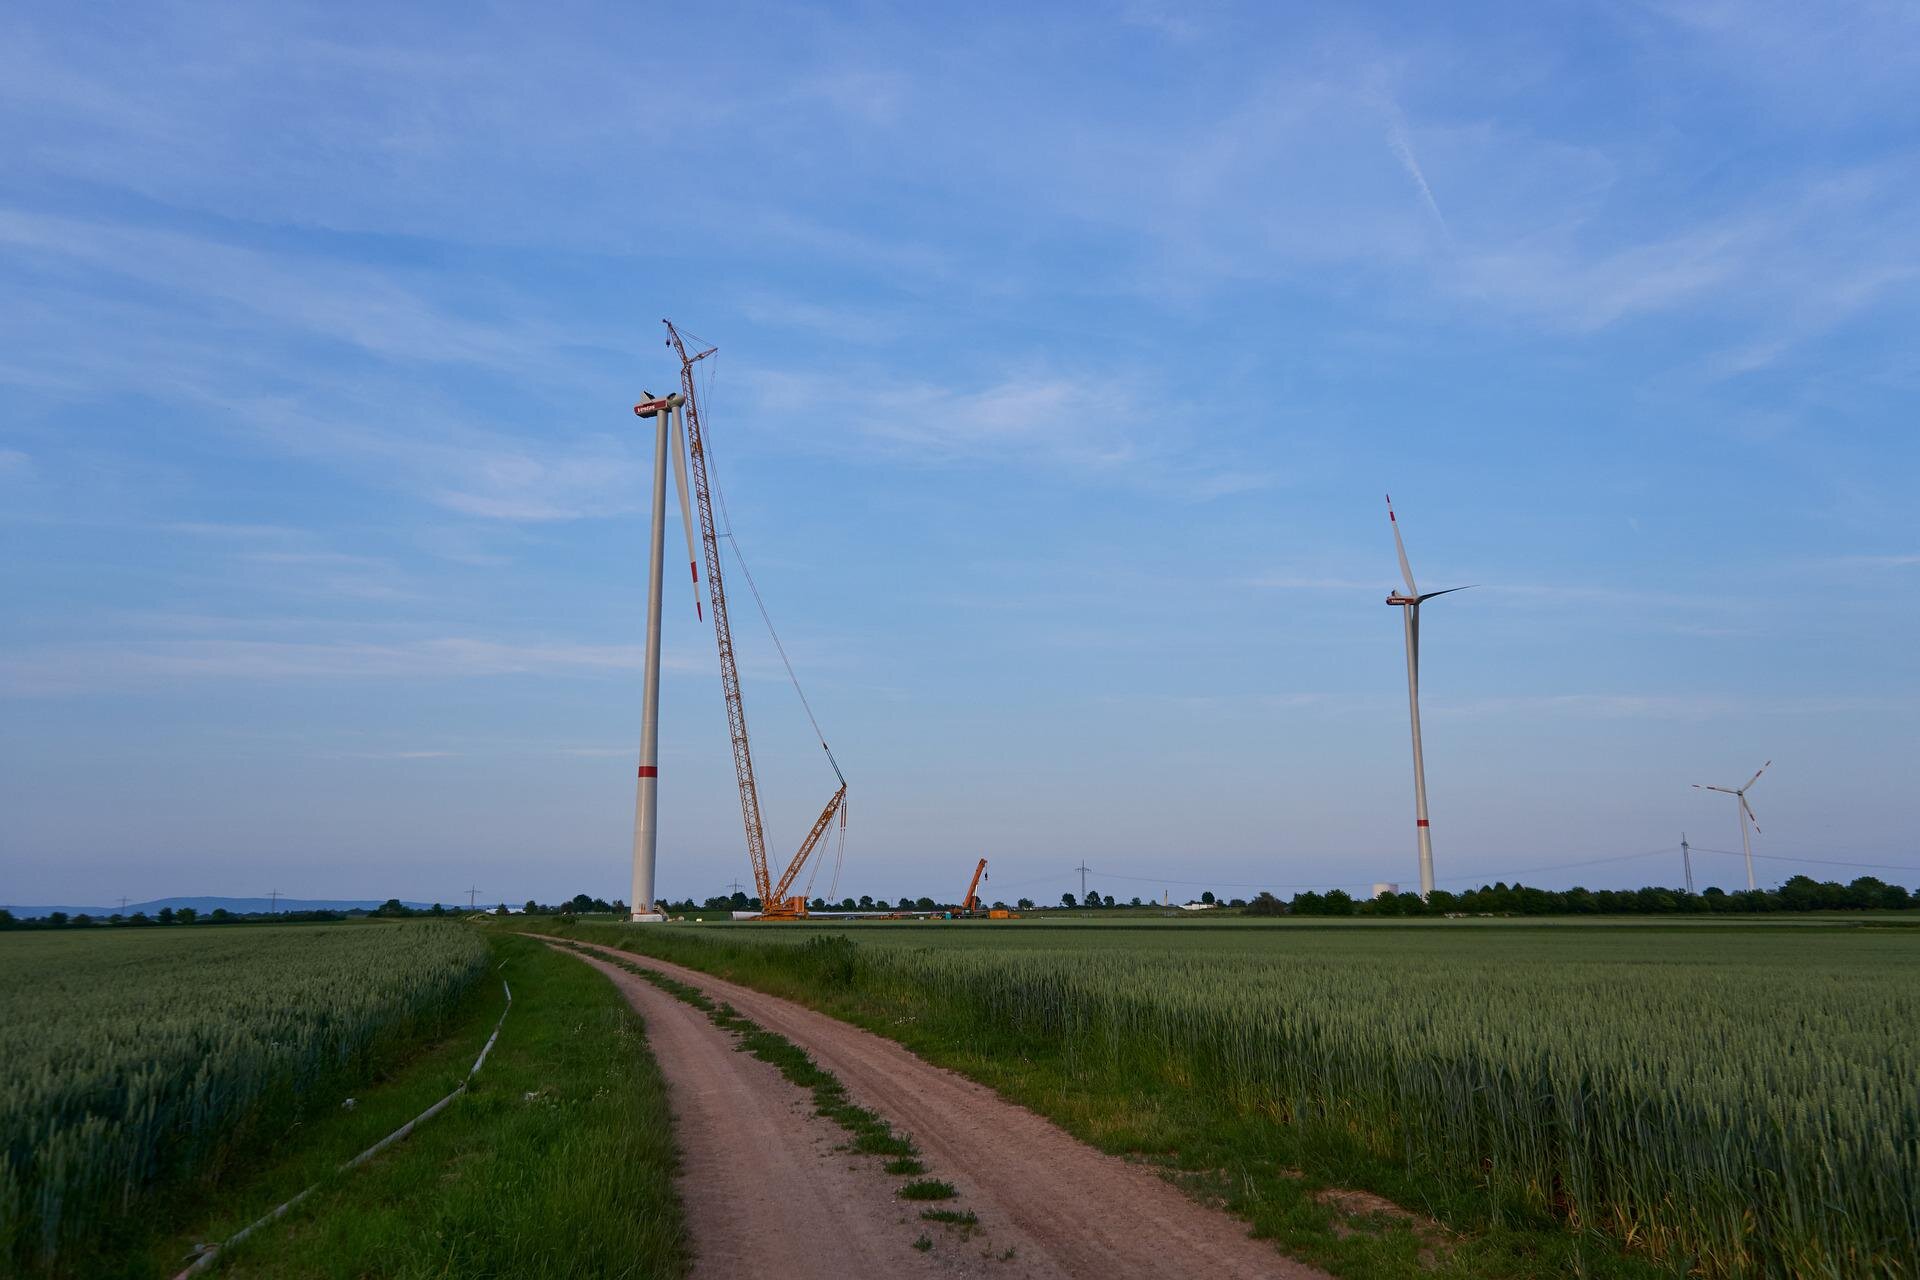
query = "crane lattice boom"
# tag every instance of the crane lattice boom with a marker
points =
(773, 897)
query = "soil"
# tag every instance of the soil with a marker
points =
(770, 1190)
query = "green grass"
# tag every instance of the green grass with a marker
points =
(927, 1189)
(1720, 1100)
(559, 1161)
(951, 1217)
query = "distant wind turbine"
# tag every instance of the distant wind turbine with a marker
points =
(1746, 814)
(1410, 604)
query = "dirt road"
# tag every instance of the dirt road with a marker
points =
(767, 1193)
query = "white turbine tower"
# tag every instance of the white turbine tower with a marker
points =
(1410, 604)
(1746, 815)
(666, 412)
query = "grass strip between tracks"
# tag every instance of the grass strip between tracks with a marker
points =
(869, 1133)
(557, 1163)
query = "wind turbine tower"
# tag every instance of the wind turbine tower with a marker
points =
(1409, 603)
(664, 411)
(1746, 815)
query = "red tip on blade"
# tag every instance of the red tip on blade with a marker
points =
(649, 771)
(1419, 822)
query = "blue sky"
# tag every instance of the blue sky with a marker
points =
(1066, 353)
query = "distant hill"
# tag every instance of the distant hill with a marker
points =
(239, 906)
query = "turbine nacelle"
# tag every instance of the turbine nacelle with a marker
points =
(1401, 598)
(1745, 810)
(651, 405)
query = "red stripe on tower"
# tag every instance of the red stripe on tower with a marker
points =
(649, 771)
(1419, 822)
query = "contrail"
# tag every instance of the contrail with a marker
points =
(1397, 139)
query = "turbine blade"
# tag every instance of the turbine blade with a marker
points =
(1750, 814)
(678, 447)
(1449, 591)
(1400, 547)
(1756, 774)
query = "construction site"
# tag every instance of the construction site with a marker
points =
(680, 442)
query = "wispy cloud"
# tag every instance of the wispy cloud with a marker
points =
(1176, 22)
(1050, 417)
(1293, 582)
(1654, 706)
(341, 301)
(234, 531)
(842, 323)
(1112, 428)
(117, 666)
(1402, 148)
(1907, 561)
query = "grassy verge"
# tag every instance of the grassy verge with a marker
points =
(1324, 1195)
(558, 1162)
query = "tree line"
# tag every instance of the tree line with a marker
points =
(1801, 893)
(164, 917)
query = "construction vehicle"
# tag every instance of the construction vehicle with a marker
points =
(777, 901)
(970, 907)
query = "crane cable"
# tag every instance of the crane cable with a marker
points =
(839, 860)
(753, 587)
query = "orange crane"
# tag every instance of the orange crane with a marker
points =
(971, 903)
(971, 906)
(776, 902)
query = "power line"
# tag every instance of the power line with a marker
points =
(1566, 866)
(1222, 884)
(1821, 862)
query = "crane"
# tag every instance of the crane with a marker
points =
(775, 902)
(971, 903)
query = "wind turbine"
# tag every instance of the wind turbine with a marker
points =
(1410, 604)
(667, 413)
(1746, 815)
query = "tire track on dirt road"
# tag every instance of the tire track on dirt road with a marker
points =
(766, 1193)
(1049, 1205)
